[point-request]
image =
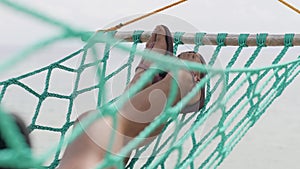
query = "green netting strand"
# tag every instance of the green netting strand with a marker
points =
(254, 90)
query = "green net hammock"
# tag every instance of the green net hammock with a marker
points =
(235, 97)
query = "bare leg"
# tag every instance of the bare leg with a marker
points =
(157, 42)
(91, 146)
(141, 110)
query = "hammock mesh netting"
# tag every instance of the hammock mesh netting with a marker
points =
(240, 96)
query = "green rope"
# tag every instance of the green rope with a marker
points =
(177, 41)
(136, 39)
(262, 87)
(198, 40)
(242, 41)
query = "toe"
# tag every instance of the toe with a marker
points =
(159, 30)
(160, 33)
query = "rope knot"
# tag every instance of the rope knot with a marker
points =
(243, 40)
(221, 39)
(288, 39)
(137, 36)
(198, 40)
(177, 41)
(177, 37)
(261, 39)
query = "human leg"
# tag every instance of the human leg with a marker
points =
(146, 105)
(89, 148)
(141, 109)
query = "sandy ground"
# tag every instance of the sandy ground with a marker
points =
(274, 141)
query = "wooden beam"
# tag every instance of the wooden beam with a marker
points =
(211, 39)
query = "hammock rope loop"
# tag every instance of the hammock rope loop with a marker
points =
(288, 42)
(137, 36)
(136, 39)
(261, 39)
(198, 40)
(177, 41)
(107, 47)
(288, 39)
(221, 38)
(243, 40)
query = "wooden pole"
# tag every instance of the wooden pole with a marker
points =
(141, 17)
(211, 39)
